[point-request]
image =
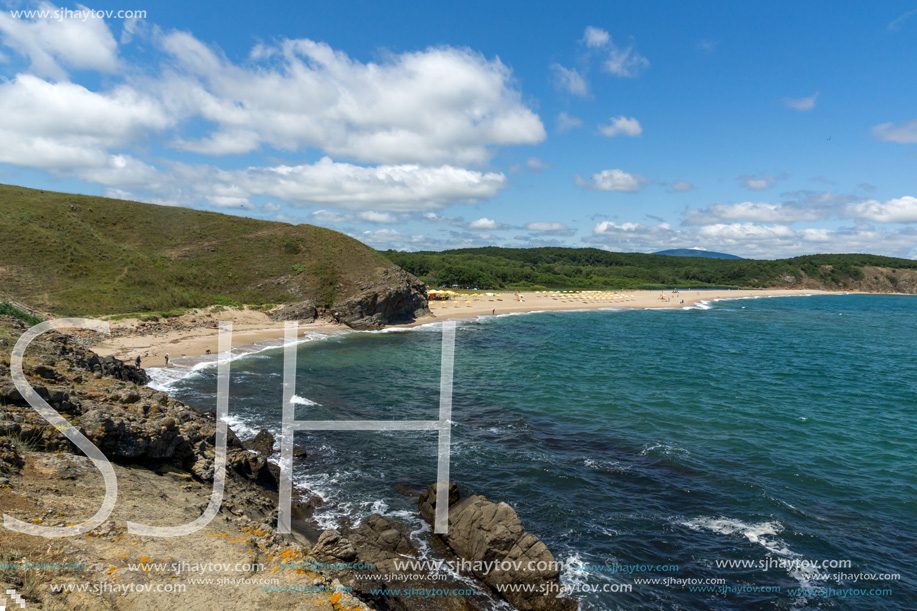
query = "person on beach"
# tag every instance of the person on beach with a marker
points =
(137, 362)
(167, 359)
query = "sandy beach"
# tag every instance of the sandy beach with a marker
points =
(251, 326)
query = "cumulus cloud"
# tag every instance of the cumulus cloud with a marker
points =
(801, 103)
(755, 240)
(905, 133)
(759, 212)
(682, 185)
(368, 216)
(624, 62)
(569, 80)
(900, 210)
(621, 126)
(566, 122)
(51, 45)
(438, 105)
(595, 37)
(64, 126)
(485, 224)
(614, 180)
(550, 228)
(391, 188)
(536, 165)
(758, 183)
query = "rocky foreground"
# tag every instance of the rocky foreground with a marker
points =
(163, 454)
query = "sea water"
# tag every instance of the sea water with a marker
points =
(698, 458)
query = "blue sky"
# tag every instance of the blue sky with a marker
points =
(760, 129)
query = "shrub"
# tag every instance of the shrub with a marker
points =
(9, 309)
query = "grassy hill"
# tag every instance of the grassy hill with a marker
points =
(80, 255)
(591, 268)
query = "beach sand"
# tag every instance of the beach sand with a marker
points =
(251, 326)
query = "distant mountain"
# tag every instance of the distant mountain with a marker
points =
(690, 252)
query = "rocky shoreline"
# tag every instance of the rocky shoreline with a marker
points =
(164, 453)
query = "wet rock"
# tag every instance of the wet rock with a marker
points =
(332, 547)
(482, 531)
(263, 443)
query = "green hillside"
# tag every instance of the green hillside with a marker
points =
(81, 255)
(591, 268)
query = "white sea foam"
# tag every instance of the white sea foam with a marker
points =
(663, 448)
(765, 534)
(163, 378)
(297, 400)
(240, 427)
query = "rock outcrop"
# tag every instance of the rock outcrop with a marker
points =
(481, 531)
(391, 296)
(303, 311)
(375, 546)
(263, 443)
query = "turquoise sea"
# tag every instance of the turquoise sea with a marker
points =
(747, 431)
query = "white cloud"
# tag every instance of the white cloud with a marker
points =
(236, 142)
(271, 207)
(371, 216)
(64, 126)
(569, 80)
(328, 216)
(752, 239)
(682, 185)
(905, 133)
(758, 183)
(392, 188)
(565, 122)
(801, 103)
(382, 237)
(438, 105)
(484, 223)
(621, 126)
(626, 63)
(552, 228)
(537, 165)
(614, 180)
(595, 37)
(759, 212)
(900, 210)
(51, 44)
(368, 216)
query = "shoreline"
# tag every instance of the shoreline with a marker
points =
(251, 327)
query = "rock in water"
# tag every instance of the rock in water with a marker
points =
(263, 443)
(481, 532)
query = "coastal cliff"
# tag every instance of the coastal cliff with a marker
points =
(163, 455)
(76, 255)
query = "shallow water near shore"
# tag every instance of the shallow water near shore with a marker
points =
(753, 430)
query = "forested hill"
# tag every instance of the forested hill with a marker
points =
(591, 268)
